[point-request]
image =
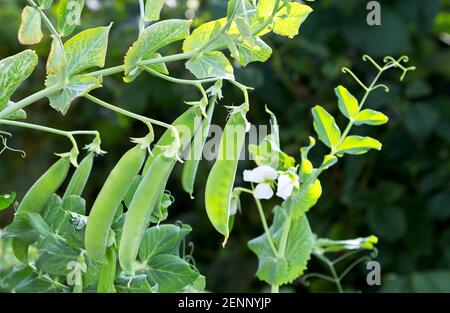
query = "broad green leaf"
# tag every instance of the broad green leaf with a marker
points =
(299, 205)
(69, 13)
(370, 117)
(265, 8)
(210, 64)
(53, 213)
(288, 20)
(30, 31)
(13, 71)
(347, 102)
(135, 284)
(15, 277)
(153, 38)
(153, 9)
(55, 256)
(162, 239)
(326, 127)
(202, 34)
(74, 204)
(76, 86)
(253, 51)
(56, 58)
(357, 145)
(7, 200)
(276, 270)
(86, 49)
(36, 222)
(170, 273)
(45, 4)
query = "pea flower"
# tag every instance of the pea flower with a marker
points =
(263, 176)
(287, 181)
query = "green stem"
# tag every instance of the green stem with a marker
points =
(265, 226)
(192, 82)
(143, 119)
(330, 265)
(142, 18)
(30, 100)
(275, 289)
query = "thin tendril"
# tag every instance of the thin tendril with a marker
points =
(346, 70)
(386, 88)
(4, 142)
(353, 265)
(305, 279)
(367, 58)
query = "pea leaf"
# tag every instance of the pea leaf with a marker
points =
(7, 200)
(370, 117)
(86, 49)
(299, 205)
(45, 4)
(13, 71)
(288, 20)
(30, 32)
(69, 13)
(276, 270)
(347, 102)
(171, 273)
(153, 38)
(357, 145)
(153, 9)
(253, 51)
(163, 239)
(202, 34)
(55, 256)
(211, 64)
(326, 127)
(75, 87)
(56, 58)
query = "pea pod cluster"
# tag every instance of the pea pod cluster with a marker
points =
(79, 179)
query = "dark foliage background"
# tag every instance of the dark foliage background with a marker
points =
(401, 194)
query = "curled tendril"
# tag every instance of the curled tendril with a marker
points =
(367, 58)
(305, 279)
(386, 88)
(5, 147)
(390, 61)
(346, 70)
(353, 265)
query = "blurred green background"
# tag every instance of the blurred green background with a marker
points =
(401, 194)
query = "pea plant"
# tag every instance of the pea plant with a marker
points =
(121, 243)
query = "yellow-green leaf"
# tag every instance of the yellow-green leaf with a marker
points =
(13, 71)
(347, 102)
(153, 38)
(370, 117)
(288, 20)
(210, 64)
(153, 9)
(30, 32)
(86, 49)
(69, 13)
(57, 58)
(326, 127)
(357, 145)
(202, 34)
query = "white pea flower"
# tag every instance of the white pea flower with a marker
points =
(287, 181)
(263, 176)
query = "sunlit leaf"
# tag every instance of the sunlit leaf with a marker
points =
(153, 9)
(357, 145)
(347, 102)
(69, 13)
(370, 117)
(288, 20)
(326, 127)
(210, 64)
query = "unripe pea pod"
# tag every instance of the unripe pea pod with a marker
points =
(45, 187)
(36, 198)
(196, 150)
(147, 195)
(108, 201)
(219, 186)
(108, 273)
(80, 177)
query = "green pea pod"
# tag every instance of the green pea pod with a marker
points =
(80, 177)
(108, 200)
(191, 165)
(185, 122)
(146, 197)
(219, 186)
(45, 187)
(108, 273)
